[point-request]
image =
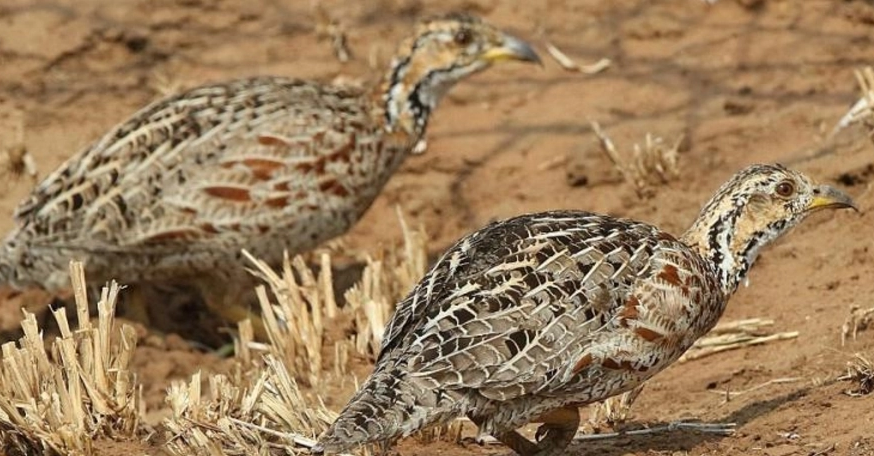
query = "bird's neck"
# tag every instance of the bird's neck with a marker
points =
(721, 235)
(408, 93)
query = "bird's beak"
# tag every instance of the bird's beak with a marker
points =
(511, 48)
(825, 197)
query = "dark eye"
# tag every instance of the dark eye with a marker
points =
(785, 189)
(463, 37)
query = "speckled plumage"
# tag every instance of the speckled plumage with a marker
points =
(531, 317)
(266, 164)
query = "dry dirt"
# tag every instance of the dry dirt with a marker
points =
(744, 81)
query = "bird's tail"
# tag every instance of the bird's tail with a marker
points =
(20, 266)
(8, 259)
(388, 406)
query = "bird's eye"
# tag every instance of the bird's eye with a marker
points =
(785, 189)
(463, 37)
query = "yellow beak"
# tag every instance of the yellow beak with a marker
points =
(511, 48)
(826, 197)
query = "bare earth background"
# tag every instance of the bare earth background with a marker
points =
(744, 81)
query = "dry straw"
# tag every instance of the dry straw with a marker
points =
(264, 414)
(860, 371)
(386, 279)
(296, 316)
(263, 411)
(734, 335)
(570, 65)
(859, 320)
(863, 111)
(59, 401)
(16, 160)
(655, 163)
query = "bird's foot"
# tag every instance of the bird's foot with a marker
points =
(552, 439)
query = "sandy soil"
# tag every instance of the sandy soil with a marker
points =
(745, 81)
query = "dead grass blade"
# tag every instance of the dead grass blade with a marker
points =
(16, 159)
(332, 29)
(729, 395)
(735, 335)
(570, 65)
(863, 111)
(859, 320)
(704, 428)
(653, 164)
(83, 391)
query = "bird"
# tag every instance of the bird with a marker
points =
(268, 164)
(529, 318)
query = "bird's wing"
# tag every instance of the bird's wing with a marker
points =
(513, 308)
(213, 162)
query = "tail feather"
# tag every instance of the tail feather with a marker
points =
(389, 405)
(8, 259)
(23, 266)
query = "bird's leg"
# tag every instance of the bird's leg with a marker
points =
(228, 300)
(553, 436)
(557, 431)
(136, 304)
(511, 439)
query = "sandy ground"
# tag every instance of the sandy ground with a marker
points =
(744, 81)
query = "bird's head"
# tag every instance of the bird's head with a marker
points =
(443, 50)
(755, 207)
(457, 44)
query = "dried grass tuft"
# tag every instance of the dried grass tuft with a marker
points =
(244, 417)
(863, 111)
(860, 371)
(263, 411)
(859, 320)
(728, 395)
(59, 401)
(653, 164)
(330, 28)
(450, 432)
(16, 159)
(296, 316)
(166, 84)
(613, 411)
(386, 279)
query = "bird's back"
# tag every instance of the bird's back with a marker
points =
(264, 163)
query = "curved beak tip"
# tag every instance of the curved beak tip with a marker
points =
(828, 197)
(512, 48)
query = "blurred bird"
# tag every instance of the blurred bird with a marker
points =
(266, 164)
